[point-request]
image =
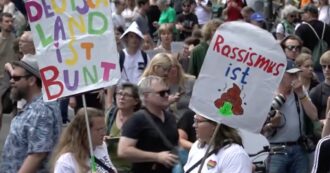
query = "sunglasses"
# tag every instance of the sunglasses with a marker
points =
(292, 47)
(163, 93)
(18, 78)
(326, 66)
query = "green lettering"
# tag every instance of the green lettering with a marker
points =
(91, 25)
(90, 77)
(44, 41)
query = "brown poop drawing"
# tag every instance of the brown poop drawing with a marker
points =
(232, 96)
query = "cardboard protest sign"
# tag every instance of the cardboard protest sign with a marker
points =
(241, 71)
(75, 45)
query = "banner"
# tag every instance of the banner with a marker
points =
(75, 45)
(241, 71)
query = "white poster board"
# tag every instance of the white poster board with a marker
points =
(75, 46)
(241, 71)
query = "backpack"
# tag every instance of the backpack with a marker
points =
(320, 47)
(122, 59)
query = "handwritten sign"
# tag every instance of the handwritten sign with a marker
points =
(241, 71)
(75, 45)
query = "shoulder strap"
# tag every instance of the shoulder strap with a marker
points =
(283, 27)
(121, 59)
(111, 116)
(104, 166)
(199, 161)
(161, 134)
(316, 32)
(145, 57)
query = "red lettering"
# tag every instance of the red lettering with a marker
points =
(278, 69)
(52, 81)
(217, 43)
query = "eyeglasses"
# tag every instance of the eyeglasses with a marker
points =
(292, 47)
(163, 93)
(198, 121)
(122, 94)
(326, 66)
(18, 78)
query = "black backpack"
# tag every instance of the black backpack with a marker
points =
(122, 59)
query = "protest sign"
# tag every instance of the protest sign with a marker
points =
(75, 45)
(241, 71)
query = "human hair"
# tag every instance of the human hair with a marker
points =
(247, 9)
(225, 135)
(74, 139)
(145, 84)
(135, 93)
(306, 50)
(207, 29)
(290, 37)
(163, 2)
(165, 27)
(325, 58)
(182, 77)
(301, 58)
(197, 33)
(186, 2)
(160, 59)
(141, 2)
(191, 41)
(287, 10)
(5, 14)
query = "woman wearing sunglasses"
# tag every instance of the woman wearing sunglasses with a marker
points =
(127, 101)
(226, 154)
(286, 27)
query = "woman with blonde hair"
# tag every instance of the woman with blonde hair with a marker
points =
(159, 65)
(182, 83)
(72, 152)
(306, 76)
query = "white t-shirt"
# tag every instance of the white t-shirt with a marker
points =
(230, 159)
(66, 163)
(324, 14)
(133, 67)
(118, 20)
(203, 16)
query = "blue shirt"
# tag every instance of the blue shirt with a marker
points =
(35, 129)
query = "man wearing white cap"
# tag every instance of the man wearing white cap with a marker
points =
(35, 129)
(132, 59)
(287, 126)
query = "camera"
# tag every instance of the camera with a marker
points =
(277, 103)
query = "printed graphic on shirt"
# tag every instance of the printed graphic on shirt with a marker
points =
(211, 164)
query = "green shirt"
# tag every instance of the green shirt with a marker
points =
(197, 58)
(167, 16)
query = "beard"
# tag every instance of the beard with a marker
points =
(17, 94)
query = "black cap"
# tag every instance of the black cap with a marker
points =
(311, 8)
(291, 67)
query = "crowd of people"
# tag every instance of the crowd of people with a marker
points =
(144, 124)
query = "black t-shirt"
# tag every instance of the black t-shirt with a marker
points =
(307, 35)
(153, 15)
(148, 139)
(319, 96)
(322, 156)
(186, 124)
(188, 21)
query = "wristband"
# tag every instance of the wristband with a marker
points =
(303, 97)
